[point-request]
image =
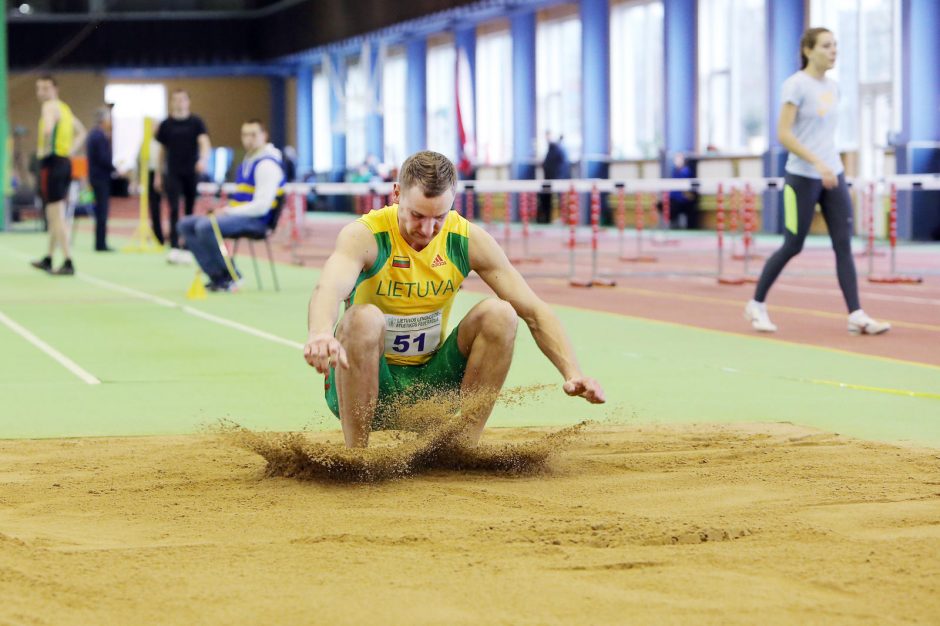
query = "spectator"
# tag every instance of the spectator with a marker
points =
(184, 158)
(260, 183)
(100, 172)
(683, 205)
(556, 166)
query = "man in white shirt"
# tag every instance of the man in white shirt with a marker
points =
(260, 185)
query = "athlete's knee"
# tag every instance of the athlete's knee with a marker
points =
(362, 324)
(842, 244)
(499, 319)
(792, 246)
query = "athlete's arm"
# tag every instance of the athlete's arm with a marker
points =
(161, 162)
(792, 144)
(205, 147)
(489, 261)
(81, 134)
(355, 251)
(50, 115)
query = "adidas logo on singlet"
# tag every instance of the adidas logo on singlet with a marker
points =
(438, 261)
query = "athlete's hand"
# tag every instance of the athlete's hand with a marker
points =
(829, 180)
(587, 388)
(323, 350)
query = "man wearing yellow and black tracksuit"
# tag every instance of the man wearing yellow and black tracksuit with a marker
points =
(260, 189)
(398, 269)
(61, 135)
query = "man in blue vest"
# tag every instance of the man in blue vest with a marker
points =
(260, 185)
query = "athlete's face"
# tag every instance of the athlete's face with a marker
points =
(420, 219)
(179, 104)
(823, 54)
(253, 137)
(45, 90)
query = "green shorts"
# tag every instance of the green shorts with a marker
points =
(444, 372)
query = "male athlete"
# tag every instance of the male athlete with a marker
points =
(61, 135)
(398, 269)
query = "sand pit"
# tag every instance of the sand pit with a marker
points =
(767, 524)
(428, 435)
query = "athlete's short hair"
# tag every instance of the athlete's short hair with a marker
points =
(48, 78)
(255, 120)
(432, 171)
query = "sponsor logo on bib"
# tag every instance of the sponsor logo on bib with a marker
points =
(438, 261)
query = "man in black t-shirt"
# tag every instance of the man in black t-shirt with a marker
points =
(184, 157)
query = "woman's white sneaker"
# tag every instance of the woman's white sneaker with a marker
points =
(756, 313)
(861, 324)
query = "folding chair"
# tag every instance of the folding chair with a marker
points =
(266, 237)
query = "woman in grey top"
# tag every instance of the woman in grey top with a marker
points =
(814, 174)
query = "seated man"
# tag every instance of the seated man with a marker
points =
(683, 205)
(398, 269)
(260, 183)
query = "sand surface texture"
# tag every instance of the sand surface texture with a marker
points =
(768, 524)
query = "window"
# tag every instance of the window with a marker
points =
(393, 107)
(866, 32)
(356, 111)
(636, 80)
(441, 99)
(732, 75)
(558, 82)
(132, 103)
(322, 126)
(494, 98)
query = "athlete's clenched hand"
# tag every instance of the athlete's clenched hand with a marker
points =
(323, 350)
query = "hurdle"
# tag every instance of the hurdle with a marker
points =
(892, 277)
(639, 214)
(595, 280)
(661, 236)
(526, 205)
(867, 202)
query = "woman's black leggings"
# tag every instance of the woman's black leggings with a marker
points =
(800, 196)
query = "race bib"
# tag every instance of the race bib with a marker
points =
(412, 335)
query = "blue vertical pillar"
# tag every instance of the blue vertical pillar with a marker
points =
(276, 130)
(338, 117)
(416, 120)
(595, 87)
(465, 41)
(304, 114)
(375, 124)
(522, 30)
(918, 151)
(680, 41)
(785, 24)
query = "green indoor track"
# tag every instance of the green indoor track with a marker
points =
(168, 365)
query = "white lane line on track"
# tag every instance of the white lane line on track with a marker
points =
(242, 327)
(63, 360)
(209, 317)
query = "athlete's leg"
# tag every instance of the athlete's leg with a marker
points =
(361, 332)
(58, 233)
(188, 184)
(837, 210)
(171, 185)
(800, 196)
(486, 337)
